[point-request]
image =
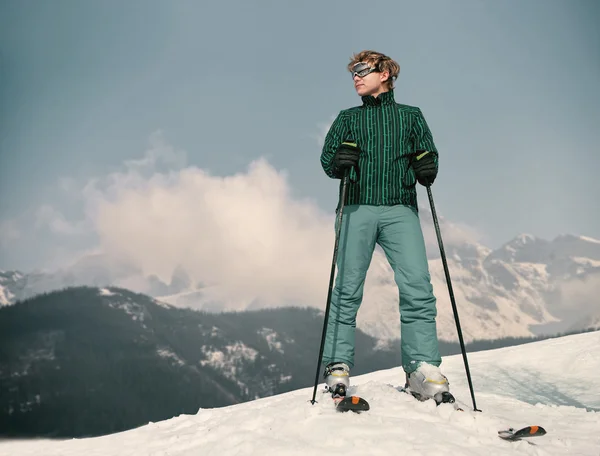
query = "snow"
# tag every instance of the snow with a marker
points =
(13, 276)
(106, 292)
(532, 271)
(130, 307)
(272, 339)
(5, 296)
(162, 304)
(228, 362)
(548, 383)
(166, 353)
(524, 238)
(586, 262)
(589, 239)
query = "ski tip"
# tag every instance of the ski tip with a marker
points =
(526, 432)
(537, 430)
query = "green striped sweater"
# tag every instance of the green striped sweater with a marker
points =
(387, 133)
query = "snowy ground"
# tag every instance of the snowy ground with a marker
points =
(553, 383)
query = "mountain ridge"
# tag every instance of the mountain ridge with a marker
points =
(525, 287)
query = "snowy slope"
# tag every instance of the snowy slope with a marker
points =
(548, 383)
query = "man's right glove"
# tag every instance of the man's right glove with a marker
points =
(346, 157)
(423, 164)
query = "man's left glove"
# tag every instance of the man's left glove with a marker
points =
(423, 164)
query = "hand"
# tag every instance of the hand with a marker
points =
(423, 164)
(346, 157)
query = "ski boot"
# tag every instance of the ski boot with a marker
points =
(337, 379)
(428, 382)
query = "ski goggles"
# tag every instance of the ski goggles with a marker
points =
(361, 69)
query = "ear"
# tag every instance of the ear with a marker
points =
(384, 76)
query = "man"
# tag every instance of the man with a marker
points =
(385, 147)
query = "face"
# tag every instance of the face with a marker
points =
(367, 81)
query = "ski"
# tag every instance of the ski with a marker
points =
(351, 403)
(358, 404)
(513, 435)
(345, 403)
(510, 434)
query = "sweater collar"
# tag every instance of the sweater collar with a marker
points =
(382, 99)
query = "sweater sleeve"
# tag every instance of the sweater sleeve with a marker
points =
(333, 139)
(422, 135)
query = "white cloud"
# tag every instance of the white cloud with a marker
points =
(159, 153)
(452, 233)
(580, 294)
(244, 233)
(578, 304)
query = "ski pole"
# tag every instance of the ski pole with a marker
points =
(454, 309)
(331, 277)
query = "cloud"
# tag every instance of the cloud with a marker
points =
(577, 302)
(579, 295)
(453, 234)
(159, 153)
(244, 235)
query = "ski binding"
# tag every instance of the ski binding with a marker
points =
(441, 398)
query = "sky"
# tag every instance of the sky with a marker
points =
(121, 123)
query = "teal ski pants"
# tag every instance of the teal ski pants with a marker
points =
(397, 230)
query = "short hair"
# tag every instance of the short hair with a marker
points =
(378, 60)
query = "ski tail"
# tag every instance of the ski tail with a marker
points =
(345, 403)
(351, 403)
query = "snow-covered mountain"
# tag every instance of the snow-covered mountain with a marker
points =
(11, 286)
(527, 286)
(91, 270)
(552, 384)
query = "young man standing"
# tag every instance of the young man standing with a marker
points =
(385, 147)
